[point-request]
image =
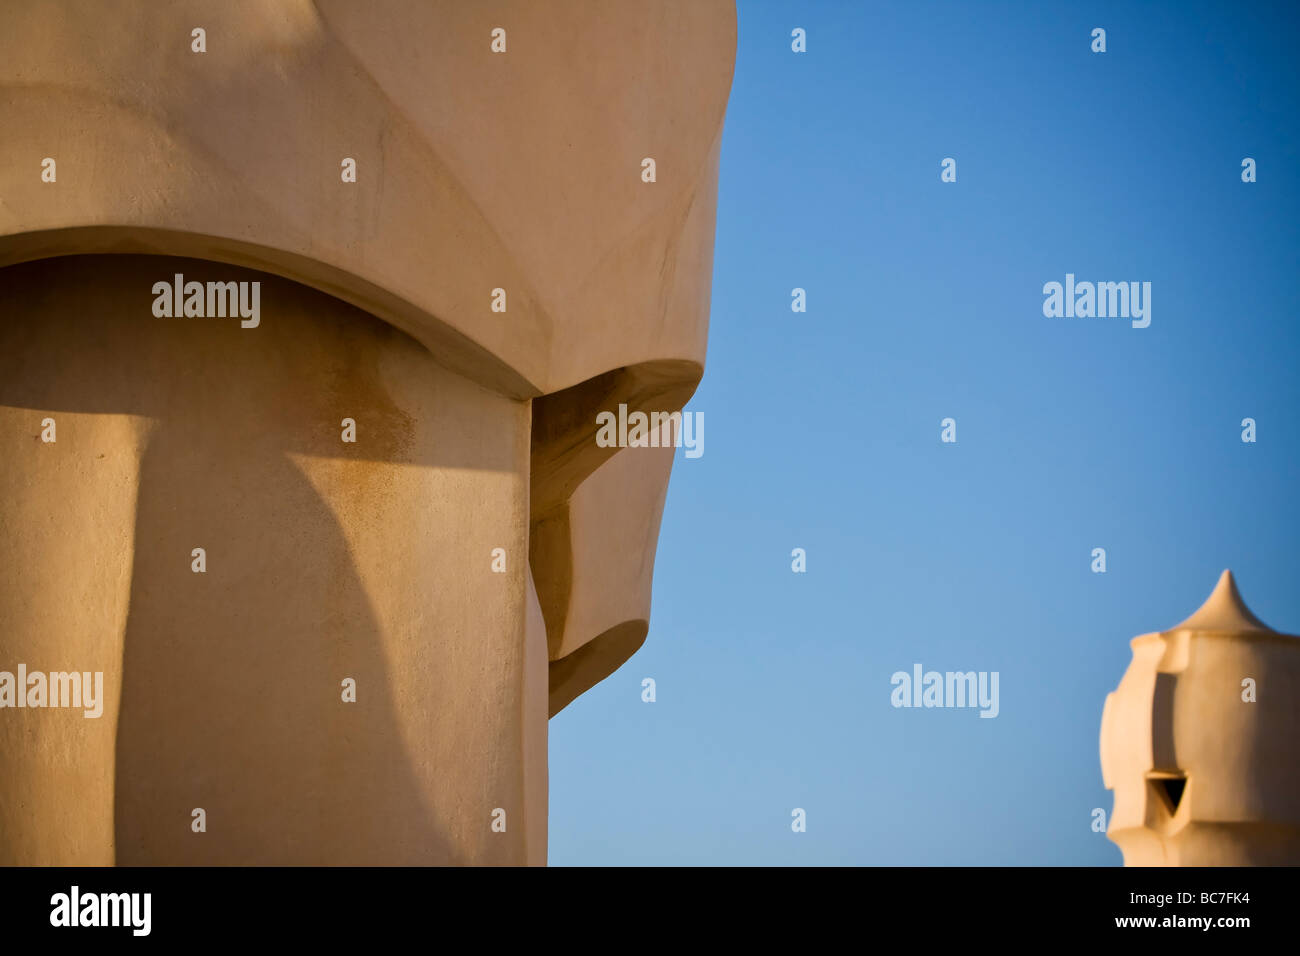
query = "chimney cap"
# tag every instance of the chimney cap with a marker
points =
(1224, 610)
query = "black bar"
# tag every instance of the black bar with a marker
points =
(457, 907)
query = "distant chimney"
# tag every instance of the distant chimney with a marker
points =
(1201, 742)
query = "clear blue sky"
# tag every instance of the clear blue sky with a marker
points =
(925, 302)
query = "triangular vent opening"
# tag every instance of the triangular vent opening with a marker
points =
(1171, 788)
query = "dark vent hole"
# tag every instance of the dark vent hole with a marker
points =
(1173, 788)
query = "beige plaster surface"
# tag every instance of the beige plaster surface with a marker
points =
(475, 428)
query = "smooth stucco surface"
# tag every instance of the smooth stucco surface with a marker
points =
(475, 171)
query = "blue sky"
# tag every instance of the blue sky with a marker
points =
(925, 302)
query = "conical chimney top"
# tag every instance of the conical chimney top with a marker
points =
(1224, 610)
